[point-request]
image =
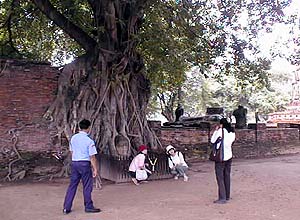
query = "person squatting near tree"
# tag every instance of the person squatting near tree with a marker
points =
(137, 168)
(223, 169)
(177, 163)
(83, 167)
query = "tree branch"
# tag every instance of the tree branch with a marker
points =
(95, 5)
(8, 25)
(75, 32)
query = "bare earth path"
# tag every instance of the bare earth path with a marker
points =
(262, 189)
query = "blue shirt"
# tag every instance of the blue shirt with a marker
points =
(82, 147)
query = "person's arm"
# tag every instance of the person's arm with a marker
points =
(171, 165)
(94, 165)
(216, 135)
(141, 163)
(181, 158)
(93, 152)
(231, 137)
(70, 149)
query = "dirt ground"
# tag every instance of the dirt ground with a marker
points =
(262, 189)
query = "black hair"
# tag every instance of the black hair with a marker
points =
(226, 125)
(84, 124)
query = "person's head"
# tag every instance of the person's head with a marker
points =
(170, 150)
(225, 124)
(84, 124)
(143, 149)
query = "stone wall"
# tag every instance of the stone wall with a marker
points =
(26, 91)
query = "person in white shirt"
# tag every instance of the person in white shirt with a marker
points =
(177, 163)
(138, 163)
(223, 169)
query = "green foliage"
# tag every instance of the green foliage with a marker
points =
(228, 92)
(29, 34)
(225, 46)
(197, 93)
(176, 35)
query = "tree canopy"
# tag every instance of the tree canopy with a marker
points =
(220, 37)
(174, 35)
(228, 45)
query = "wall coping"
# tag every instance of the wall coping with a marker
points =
(183, 128)
(24, 62)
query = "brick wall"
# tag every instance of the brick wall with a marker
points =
(248, 143)
(28, 88)
(26, 91)
(184, 137)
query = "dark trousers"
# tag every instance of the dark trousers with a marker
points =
(223, 170)
(80, 170)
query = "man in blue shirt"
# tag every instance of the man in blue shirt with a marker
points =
(84, 167)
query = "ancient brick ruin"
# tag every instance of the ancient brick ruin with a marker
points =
(28, 88)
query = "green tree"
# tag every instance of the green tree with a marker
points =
(226, 42)
(228, 92)
(107, 82)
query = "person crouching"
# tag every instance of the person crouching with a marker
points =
(137, 169)
(177, 163)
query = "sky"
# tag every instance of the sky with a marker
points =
(276, 39)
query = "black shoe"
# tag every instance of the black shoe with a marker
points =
(92, 210)
(220, 201)
(65, 211)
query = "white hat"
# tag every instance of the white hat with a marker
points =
(169, 147)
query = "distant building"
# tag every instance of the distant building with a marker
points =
(292, 112)
(291, 115)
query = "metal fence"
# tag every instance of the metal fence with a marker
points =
(115, 168)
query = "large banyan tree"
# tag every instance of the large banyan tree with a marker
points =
(106, 83)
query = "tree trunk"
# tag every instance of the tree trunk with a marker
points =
(114, 102)
(167, 105)
(107, 85)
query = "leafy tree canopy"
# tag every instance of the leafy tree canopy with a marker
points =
(218, 36)
(228, 45)
(175, 34)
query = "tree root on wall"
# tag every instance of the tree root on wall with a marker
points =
(14, 140)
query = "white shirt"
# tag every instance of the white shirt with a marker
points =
(176, 160)
(228, 140)
(82, 147)
(137, 162)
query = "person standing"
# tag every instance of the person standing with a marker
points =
(223, 169)
(84, 167)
